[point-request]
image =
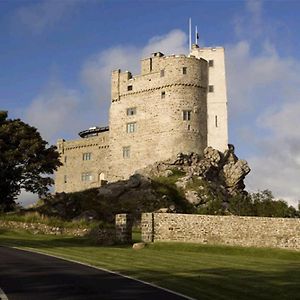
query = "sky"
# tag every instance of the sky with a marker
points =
(56, 58)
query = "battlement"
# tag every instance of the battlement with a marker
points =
(159, 71)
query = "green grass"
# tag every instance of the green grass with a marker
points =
(35, 217)
(202, 272)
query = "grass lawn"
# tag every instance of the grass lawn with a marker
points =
(202, 272)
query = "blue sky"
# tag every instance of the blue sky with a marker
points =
(56, 58)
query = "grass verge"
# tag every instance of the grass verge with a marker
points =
(35, 217)
(202, 272)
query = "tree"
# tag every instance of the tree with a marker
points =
(265, 205)
(25, 161)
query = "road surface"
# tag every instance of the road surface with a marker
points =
(31, 276)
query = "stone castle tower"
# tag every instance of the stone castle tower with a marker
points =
(176, 104)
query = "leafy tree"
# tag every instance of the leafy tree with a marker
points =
(265, 205)
(241, 205)
(25, 161)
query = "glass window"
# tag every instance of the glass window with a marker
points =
(131, 127)
(87, 156)
(126, 152)
(87, 176)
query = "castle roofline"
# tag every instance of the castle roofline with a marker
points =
(195, 46)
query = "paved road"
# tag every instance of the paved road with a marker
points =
(32, 276)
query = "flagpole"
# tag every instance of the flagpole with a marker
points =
(190, 34)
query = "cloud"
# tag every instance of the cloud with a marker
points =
(265, 73)
(96, 70)
(250, 24)
(175, 42)
(264, 93)
(55, 110)
(39, 16)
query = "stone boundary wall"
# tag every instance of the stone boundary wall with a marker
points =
(120, 233)
(223, 230)
(39, 228)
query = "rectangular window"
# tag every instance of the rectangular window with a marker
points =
(210, 88)
(126, 152)
(65, 178)
(87, 156)
(210, 63)
(131, 111)
(65, 159)
(87, 176)
(129, 88)
(131, 127)
(184, 69)
(216, 121)
(163, 95)
(162, 73)
(186, 115)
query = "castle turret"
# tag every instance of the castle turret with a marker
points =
(159, 113)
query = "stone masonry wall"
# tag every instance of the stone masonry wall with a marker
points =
(225, 230)
(38, 228)
(123, 225)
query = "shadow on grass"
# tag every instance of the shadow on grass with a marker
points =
(39, 241)
(228, 283)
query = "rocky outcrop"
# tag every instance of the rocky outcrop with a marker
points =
(214, 174)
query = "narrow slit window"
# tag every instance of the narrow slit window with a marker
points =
(162, 73)
(216, 121)
(186, 115)
(65, 178)
(210, 63)
(211, 88)
(163, 95)
(184, 70)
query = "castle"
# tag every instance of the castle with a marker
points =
(177, 104)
